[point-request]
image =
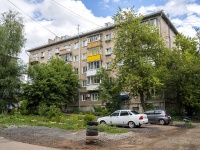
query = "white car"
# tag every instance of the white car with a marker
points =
(124, 118)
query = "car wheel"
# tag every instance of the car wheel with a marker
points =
(102, 122)
(161, 122)
(131, 124)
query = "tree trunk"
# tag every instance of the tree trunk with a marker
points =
(142, 100)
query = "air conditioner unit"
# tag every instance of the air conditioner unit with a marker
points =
(88, 95)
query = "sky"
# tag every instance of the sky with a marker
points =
(45, 19)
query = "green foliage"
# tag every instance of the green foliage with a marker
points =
(182, 79)
(150, 106)
(54, 83)
(142, 51)
(111, 129)
(66, 122)
(88, 118)
(54, 113)
(42, 109)
(110, 90)
(23, 107)
(11, 68)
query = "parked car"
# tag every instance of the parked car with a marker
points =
(158, 117)
(124, 118)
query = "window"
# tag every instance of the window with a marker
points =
(116, 113)
(76, 70)
(76, 45)
(108, 64)
(95, 96)
(84, 83)
(42, 54)
(84, 43)
(151, 112)
(108, 51)
(108, 37)
(93, 80)
(153, 21)
(94, 65)
(35, 56)
(67, 47)
(84, 56)
(76, 58)
(49, 54)
(57, 50)
(124, 113)
(94, 51)
(93, 38)
(84, 97)
(85, 69)
(68, 57)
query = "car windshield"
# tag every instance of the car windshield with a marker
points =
(134, 112)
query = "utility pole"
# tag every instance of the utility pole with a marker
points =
(79, 67)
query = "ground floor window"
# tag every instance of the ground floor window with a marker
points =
(84, 97)
(95, 96)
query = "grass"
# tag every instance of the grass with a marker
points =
(66, 122)
(69, 122)
(112, 129)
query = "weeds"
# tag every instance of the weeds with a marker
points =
(112, 129)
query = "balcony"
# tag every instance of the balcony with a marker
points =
(92, 87)
(91, 72)
(94, 44)
(33, 60)
(64, 51)
(94, 58)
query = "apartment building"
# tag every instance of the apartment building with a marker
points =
(89, 51)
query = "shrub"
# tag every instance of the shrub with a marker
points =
(23, 107)
(42, 109)
(54, 113)
(89, 117)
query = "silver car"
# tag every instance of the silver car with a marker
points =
(158, 117)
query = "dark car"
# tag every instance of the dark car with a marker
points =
(158, 117)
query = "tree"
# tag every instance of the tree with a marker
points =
(183, 80)
(110, 90)
(54, 83)
(11, 41)
(141, 51)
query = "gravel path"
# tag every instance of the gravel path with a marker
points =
(147, 137)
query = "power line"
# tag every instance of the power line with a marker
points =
(31, 17)
(75, 14)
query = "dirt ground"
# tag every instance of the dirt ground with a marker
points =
(151, 137)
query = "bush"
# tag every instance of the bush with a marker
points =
(54, 113)
(42, 109)
(23, 107)
(89, 117)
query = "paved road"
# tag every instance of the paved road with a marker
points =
(12, 145)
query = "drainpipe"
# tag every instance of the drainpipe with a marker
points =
(79, 69)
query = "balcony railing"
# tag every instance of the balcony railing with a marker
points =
(94, 44)
(64, 51)
(92, 87)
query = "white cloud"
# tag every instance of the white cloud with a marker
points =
(53, 17)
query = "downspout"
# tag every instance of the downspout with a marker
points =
(160, 33)
(169, 37)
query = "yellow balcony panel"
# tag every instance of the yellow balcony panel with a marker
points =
(94, 44)
(94, 58)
